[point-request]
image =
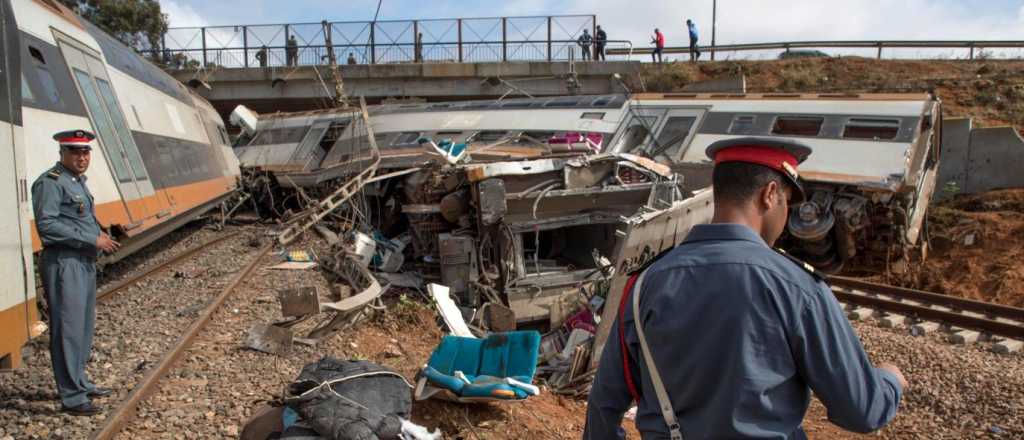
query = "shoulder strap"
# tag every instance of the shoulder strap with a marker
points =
(667, 412)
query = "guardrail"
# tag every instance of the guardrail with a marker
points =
(970, 45)
(497, 39)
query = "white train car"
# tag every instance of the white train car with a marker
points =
(161, 157)
(870, 178)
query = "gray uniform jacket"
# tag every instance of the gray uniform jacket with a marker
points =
(64, 211)
(740, 335)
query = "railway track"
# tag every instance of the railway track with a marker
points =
(966, 321)
(124, 413)
(109, 292)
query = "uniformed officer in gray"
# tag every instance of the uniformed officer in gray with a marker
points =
(739, 334)
(71, 237)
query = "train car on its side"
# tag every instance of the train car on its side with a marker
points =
(161, 157)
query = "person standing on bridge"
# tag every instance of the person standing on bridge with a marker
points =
(600, 40)
(71, 236)
(261, 56)
(659, 44)
(352, 59)
(723, 337)
(691, 27)
(585, 41)
(292, 51)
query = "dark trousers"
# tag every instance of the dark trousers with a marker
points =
(657, 51)
(585, 49)
(599, 53)
(694, 53)
(69, 281)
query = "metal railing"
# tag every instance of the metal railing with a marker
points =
(494, 39)
(970, 45)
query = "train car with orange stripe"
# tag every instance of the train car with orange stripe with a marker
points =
(161, 157)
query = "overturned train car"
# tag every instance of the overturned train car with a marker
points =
(161, 157)
(870, 178)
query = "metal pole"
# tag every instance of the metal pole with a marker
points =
(163, 45)
(549, 38)
(287, 29)
(373, 43)
(460, 40)
(245, 44)
(879, 50)
(417, 44)
(714, 22)
(972, 51)
(204, 47)
(504, 39)
(329, 41)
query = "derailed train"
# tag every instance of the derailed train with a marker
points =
(553, 186)
(161, 158)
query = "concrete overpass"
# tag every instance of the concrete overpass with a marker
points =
(269, 89)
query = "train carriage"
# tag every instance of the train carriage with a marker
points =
(161, 157)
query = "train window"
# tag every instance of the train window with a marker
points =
(121, 126)
(798, 125)
(602, 101)
(570, 101)
(592, 115)
(406, 139)
(50, 90)
(742, 124)
(487, 136)
(26, 92)
(286, 135)
(332, 135)
(517, 104)
(673, 135)
(877, 129)
(636, 133)
(104, 128)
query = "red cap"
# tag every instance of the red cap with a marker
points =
(780, 155)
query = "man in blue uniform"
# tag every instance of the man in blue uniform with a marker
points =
(71, 237)
(738, 334)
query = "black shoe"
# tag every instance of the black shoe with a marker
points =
(100, 392)
(85, 409)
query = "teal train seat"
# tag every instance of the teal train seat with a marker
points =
(499, 367)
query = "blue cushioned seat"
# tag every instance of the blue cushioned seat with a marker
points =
(486, 363)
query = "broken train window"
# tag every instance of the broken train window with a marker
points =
(637, 132)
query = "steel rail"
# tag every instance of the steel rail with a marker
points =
(989, 318)
(121, 285)
(124, 413)
(990, 310)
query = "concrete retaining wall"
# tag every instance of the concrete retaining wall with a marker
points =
(976, 160)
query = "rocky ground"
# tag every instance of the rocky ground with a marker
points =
(956, 391)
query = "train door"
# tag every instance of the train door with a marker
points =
(112, 131)
(661, 133)
(304, 154)
(17, 294)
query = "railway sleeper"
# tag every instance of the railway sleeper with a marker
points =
(1007, 346)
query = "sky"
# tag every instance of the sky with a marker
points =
(738, 21)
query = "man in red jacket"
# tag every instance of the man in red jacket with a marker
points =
(659, 44)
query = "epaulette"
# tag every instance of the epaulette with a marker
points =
(803, 264)
(54, 173)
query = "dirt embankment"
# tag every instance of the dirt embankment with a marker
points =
(990, 91)
(977, 245)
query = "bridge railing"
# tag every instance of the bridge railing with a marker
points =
(494, 39)
(971, 47)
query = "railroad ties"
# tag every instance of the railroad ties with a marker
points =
(963, 321)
